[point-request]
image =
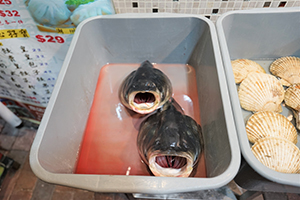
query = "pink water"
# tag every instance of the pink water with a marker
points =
(109, 143)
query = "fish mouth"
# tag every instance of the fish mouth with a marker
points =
(144, 102)
(171, 165)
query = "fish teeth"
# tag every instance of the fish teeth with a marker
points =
(144, 105)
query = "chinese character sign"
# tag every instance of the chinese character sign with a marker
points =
(34, 38)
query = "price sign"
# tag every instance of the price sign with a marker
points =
(5, 2)
(13, 33)
(66, 30)
(49, 38)
(9, 13)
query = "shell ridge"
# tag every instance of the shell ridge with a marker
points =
(287, 68)
(270, 124)
(278, 154)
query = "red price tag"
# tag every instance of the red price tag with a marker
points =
(5, 2)
(9, 13)
(49, 38)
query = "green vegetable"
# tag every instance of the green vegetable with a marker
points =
(78, 2)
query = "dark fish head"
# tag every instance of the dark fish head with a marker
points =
(170, 143)
(145, 89)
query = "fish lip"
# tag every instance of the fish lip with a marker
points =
(157, 170)
(144, 108)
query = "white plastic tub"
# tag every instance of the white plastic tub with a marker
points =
(160, 38)
(262, 35)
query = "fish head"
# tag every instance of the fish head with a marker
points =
(173, 152)
(146, 89)
(170, 143)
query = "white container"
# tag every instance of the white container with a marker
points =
(160, 38)
(262, 35)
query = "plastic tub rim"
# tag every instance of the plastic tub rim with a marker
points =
(255, 11)
(145, 184)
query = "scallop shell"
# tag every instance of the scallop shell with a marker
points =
(292, 100)
(292, 97)
(278, 154)
(270, 124)
(287, 68)
(242, 67)
(284, 82)
(261, 92)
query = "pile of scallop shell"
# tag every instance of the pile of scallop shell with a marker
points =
(273, 136)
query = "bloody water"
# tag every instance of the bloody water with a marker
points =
(109, 143)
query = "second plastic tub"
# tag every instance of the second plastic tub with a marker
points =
(262, 35)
